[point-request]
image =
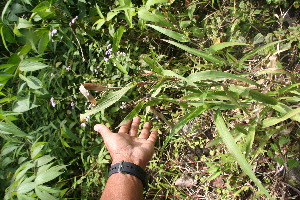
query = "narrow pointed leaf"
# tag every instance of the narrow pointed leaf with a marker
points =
(203, 54)
(217, 76)
(107, 101)
(183, 121)
(172, 34)
(275, 120)
(220, 46)
(236, 152)
(256, 51)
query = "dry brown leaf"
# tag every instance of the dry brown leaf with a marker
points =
(273, 62)
(185, 181)
(95, 86)
(218, 182)
(87, 95)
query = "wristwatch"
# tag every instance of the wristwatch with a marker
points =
(130, 168)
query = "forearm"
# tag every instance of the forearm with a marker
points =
(123, 187)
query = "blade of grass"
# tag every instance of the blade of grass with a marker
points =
(236, 152)
(183, 121)
(275, 120)
(220, 46)
(217, 76)
(206, 55)
(172, 34)
(256, 51)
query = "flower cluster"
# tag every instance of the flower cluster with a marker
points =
(68, 68)
(109, 53)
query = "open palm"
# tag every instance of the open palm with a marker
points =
(127, 144)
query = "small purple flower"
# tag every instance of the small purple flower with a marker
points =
(73, 21)
(123, 106)
(108, 52)
(110, 56)
(72, 104)
(83, 125)
(105, 59)
(53, 32)
(52, 101)
(51, 74)
(68, 68)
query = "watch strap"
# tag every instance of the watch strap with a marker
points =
(129, 168)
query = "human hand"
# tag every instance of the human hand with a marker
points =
(127, 145)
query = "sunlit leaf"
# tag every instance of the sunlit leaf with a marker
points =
(107, 101)
(172, 34)
(203, 54)
(179, 125)
(235, 151)
(275, 120)
(220, 46)
(27, 66)
(217, 76)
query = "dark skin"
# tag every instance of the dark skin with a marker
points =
(132, 147)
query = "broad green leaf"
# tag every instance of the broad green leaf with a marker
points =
(203, 54)
(133, 113)
(256, 51)
(246, 92)
(25, 187)
(172, 34)
(220, 46)
(4, 66)
(21, 171)
(36, 149)
(153, 2)
(27, 66)
(43, 160)
(5, 76)
(183, 121)
(111, 15)
(43, 43)
(11, 129)
(23, 23)
(22, 104)
(158, 18)
(107, 101)
(46, 174)
(117, 37)
(173, 74)
(32, 81)
(25, 197)
(275, 120)
(217, 76)
(43, 195)
(47, 189)
(235, 151)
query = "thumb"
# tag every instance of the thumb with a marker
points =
(103, 130)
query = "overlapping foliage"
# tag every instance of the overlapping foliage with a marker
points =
(219, 78)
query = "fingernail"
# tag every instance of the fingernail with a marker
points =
(96, 128)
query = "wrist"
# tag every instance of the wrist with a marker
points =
(138, 162)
